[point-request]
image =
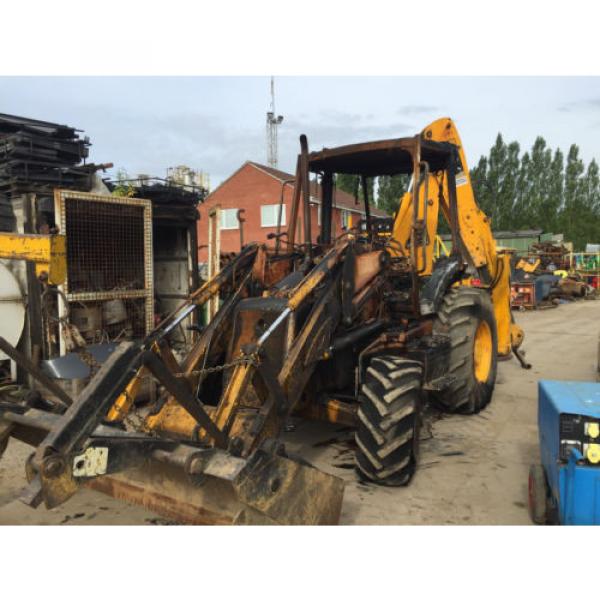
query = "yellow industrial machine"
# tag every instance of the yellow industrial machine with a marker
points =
(528, 266)
(364, 329)
(47, 252)
(490, 267)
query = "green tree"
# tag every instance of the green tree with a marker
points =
(556, 184)
(494, 182)
(479, 181)
(508, 187)
(390, 189)
(540, 190)
(351, 184)
(591, 191)
(495, 173)
(572, 213)
(589, 207)
(520, 207)
(535, 208)
(348, 183)
(123, 187)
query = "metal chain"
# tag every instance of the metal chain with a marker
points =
(251, 359)
(88, 358)
(137, 422)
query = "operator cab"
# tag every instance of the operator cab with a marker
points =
(408, 156)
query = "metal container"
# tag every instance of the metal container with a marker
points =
(114, 312)
(88, 319)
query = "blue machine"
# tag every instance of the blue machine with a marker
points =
(565, 488)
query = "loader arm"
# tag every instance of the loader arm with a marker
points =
(184, 461)
(474, 231)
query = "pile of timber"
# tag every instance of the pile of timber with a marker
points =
(38, 156)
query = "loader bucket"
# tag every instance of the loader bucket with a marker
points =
(188, 483)
(264, 489)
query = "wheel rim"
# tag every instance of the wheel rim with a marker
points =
(482, 351)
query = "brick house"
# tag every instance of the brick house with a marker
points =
(257, 188)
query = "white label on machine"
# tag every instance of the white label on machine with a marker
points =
(461, 179)
(91, 463)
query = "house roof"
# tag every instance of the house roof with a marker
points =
(341, 199)
(281, 175)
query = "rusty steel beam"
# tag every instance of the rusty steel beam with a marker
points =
(306, 193)
(295, 205)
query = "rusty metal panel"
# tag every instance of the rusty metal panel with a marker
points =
(214, 255)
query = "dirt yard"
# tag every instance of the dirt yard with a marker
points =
(473, 469)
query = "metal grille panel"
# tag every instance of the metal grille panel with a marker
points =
(109, 253)
(105, 249)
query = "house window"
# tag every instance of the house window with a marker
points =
(345, 218)
(229, 218)
(269, 214)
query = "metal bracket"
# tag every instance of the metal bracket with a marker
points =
(92, 462)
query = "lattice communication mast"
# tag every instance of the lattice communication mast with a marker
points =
(272, 123)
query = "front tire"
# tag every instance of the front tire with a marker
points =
(467, 316)
(389, 415)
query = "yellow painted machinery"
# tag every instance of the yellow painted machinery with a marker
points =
(528, 266)
(47, 252)
(489, 267)
(363, 329)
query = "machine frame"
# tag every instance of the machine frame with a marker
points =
(307, 328)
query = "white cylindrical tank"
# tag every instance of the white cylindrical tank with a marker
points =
(12, 308)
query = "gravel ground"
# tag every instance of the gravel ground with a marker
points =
(473, 468)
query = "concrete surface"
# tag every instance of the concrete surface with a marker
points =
(473, 469)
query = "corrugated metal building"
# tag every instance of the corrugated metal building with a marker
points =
(519, 240)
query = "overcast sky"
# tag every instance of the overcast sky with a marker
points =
(145, 125)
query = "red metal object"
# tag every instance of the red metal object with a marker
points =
(522, 295)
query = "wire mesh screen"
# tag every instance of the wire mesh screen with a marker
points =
(105, 246)
(109, 262)
(109, 320)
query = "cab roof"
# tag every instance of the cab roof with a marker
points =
(384, 157)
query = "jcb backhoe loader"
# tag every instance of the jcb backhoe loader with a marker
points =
(363, 329)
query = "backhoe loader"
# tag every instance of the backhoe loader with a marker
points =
(363, 329)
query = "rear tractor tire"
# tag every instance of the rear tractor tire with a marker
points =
(467, 316)
(389, 415)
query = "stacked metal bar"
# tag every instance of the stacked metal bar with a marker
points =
(7, 217)
(38, 156)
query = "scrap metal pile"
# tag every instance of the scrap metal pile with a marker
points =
(553, 256)
(543, 278)
(168, 199)
(38, 156)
